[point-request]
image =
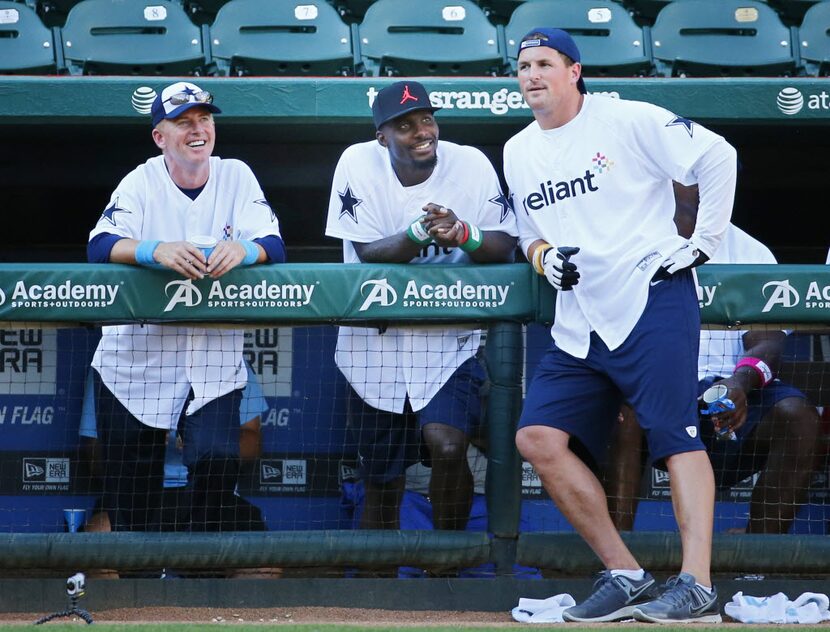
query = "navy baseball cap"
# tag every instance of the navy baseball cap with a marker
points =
(558, 40)
(400, 98)
(179, 97)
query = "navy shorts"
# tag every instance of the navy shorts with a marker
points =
(388, 443)
(730, 461)
(654, 370)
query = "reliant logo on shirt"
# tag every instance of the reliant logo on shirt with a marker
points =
(549, 192)
(220, 294)
(66, 294)
(416, 294)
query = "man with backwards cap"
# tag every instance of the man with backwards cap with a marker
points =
(591, 180)
(146, 376)
(406, 198)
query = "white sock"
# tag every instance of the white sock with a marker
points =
(708, 589)
(637, 575)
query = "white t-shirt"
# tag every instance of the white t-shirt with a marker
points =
(368, 203)
(151, 368)
(603, 182)
(721, 349)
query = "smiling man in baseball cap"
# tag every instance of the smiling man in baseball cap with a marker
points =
(592, 180)
(405, 198)
(197, 215)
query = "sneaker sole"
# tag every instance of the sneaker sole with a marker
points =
(618, 615)
(639, 615)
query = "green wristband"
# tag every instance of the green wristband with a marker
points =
(417, 233)
(474, 237)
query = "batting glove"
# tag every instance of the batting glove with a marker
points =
(685, 257)
(559, 271)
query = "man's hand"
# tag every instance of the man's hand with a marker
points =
(560, 272)
(733, 419)
(183, 257)
(685, 257)
(443, 225)
(225, 257)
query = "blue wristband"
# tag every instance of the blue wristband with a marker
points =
(251, 252)
(144, 252)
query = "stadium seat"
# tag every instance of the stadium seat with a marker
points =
(26, 45)
(609, 41)
(792, 11)
(281, 38)
(352, 10)
(721, 38)
(814, 39)
(132, 37)
(203, 11)
(647, 9)
(429, 37)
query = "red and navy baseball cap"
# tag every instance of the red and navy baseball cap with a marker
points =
(179, 97)
(400, 98)
(558, 40)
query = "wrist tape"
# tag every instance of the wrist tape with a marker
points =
(144, 252)
(760, 367)
(417, 233)
(251, 252)
(539, 258)
(472, 238)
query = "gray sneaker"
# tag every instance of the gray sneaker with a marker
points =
(613, 599)
(682, 601)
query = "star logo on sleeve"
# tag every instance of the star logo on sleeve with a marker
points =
(349, 203)
(506, 206)
(680, 120)
(109, 213)
(264, 202)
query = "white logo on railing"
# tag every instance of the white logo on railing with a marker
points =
(783, 294)
(186, 293)
(381, 293)
(2, 296)
(790, 101)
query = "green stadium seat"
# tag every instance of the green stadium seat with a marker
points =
(132, 37)
(609, 41)
(281, 38)
(814, 39)
(26, 45)
(647, 9)
(429, 37)
(721, 38)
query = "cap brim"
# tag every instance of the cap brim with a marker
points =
(402, 112)
(186, 106)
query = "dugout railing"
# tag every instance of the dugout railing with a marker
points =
(500, 297)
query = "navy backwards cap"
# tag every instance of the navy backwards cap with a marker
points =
(400, 98)
(558, 40)
(193, 96)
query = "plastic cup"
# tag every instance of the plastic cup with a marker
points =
(74, 518)
(205, 243)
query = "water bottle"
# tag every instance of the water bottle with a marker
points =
(716, 402)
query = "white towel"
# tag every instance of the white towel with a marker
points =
(808, 608)
(542, 610)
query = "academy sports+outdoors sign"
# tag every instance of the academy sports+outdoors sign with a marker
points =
(108, 293)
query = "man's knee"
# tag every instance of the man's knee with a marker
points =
(445, 443)
(794, 418)
(536, 443)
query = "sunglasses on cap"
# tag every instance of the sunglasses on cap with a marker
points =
(180, 98)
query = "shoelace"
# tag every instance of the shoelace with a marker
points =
(678, 593)
(602, 584)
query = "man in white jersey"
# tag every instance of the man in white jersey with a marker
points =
(591, 180)
(405, 198)
(146, 375)
(775, 428)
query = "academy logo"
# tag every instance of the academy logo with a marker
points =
(2, 296)
(142, 100)
(66, 294)
(817, 296)
(456, 294)
(221, 294)
(184, 293)
(706, 294)
(790, 101)
(377, 292)
(779, 293)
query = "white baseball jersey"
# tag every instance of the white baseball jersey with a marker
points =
(151, 368)
(368, 203)
(721, 349)
(602, 182)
